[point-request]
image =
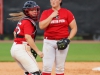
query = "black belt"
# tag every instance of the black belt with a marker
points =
(51, 38)
(19, 36)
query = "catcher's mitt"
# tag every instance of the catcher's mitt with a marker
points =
(63, 43)
(33, 53)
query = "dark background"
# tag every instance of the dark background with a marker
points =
(86, 12)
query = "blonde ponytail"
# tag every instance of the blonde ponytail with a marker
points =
(16, 16)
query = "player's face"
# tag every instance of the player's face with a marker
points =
(55, 3)
(34, 12)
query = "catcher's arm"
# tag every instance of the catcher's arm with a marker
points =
(33, 45)
(14, 34)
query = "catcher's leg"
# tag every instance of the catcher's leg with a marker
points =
(34, 73)
(26, 73)
(25, 58)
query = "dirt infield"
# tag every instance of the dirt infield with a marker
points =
(71, 68)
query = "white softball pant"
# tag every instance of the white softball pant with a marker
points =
(21, 54)
(51, 55)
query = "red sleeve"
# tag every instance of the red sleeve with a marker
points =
(70, 17)
(28, 27)
(43, 15)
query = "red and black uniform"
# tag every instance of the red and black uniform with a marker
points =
(20, 50)
(25, 26)
(25, 31)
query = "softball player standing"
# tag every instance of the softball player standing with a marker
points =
(55, 22)
(24, 39)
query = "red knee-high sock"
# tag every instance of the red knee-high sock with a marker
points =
(43, 73)
(60, 74)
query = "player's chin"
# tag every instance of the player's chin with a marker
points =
(54, 6)
(34, 15)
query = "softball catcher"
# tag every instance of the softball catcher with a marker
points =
(24, 44)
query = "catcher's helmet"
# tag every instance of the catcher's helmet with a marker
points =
(31, 5)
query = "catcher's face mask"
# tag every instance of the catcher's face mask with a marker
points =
(31, 9)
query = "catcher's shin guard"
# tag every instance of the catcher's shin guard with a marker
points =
(36, 73)
(26, 73)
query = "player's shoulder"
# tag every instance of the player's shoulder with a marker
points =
(66, 11)
(26, 21)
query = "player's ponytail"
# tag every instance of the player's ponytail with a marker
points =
(16, 16)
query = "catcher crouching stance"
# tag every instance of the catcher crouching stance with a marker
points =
(24, 44)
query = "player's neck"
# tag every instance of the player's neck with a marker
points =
(56, 8)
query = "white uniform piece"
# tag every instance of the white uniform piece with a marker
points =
(51, 55)
(21, 54)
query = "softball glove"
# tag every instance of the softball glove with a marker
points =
(63, 43)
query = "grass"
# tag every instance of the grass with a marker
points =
(78, 52)
(5, 52)
(84, 52)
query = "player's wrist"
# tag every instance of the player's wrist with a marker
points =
(69, 38)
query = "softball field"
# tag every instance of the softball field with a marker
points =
(71, 68)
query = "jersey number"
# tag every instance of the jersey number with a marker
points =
(18, 28)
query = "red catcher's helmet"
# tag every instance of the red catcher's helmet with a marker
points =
(31, 5)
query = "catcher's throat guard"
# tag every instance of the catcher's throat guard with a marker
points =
(63, 43)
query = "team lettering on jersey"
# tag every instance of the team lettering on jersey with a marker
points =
(57, 21)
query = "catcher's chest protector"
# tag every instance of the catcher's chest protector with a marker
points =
(34, 24)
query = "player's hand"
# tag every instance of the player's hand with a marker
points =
(40, 53)
(54, 14)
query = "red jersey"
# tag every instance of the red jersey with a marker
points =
(24, 26)
(58, 27)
